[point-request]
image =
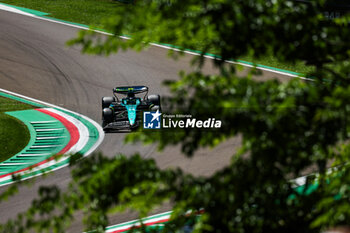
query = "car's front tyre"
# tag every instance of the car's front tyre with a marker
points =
(107, 116)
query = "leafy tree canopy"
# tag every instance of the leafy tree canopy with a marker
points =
(286, 128)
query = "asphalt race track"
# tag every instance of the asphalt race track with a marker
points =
(35, 62)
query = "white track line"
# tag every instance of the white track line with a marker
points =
(12, 164)
(49, 138)
(43, 122)
(14, 10)
(132, 223)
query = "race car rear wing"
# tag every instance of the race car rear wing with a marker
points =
(132, 89)
(126, 90)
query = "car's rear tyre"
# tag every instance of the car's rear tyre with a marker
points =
(154, 99)
(106, 101)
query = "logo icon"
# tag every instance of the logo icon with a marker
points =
(151, 120)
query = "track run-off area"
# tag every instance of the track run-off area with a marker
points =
(53, 131)
(37, 66)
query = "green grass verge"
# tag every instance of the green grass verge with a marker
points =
(14, 135)
(91, 12)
